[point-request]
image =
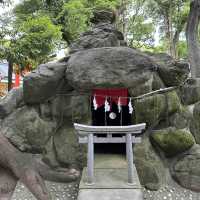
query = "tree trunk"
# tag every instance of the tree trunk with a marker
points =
(175, 43)
(192, 38)
(169, 35)
(10, 72)
(29, 170)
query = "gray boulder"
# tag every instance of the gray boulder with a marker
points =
(67, 148)
(174, 74)
(171, 72)
(103, 15)
(26, 130)
(111, 67)
(72, 107)
(195, 125)
(44, 82)
(180, 119)
(101, 35)
(150, 168)
(157, 82)
(190, 91)
(185, 169)
(11, 101)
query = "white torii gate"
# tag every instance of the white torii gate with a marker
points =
(89, 134)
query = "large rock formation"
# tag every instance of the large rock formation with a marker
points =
(111, 67)
(44, 82)
(39, 117)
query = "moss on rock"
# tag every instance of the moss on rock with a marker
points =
(148, 174)
(174, 103)
(149, 109)
(181, 119)
(150, 168)
(68, 150)
(172, 141)
(152, 109)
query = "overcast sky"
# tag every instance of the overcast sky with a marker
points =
(2, 10)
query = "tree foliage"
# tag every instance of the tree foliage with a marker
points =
(38, 39)
(141, 21)
(141, 32)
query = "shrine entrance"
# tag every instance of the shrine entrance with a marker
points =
(117, 113)
(111, 133)
(111, 107)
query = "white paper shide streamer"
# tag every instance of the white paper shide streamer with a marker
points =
(95, 103)
(119, 105)
(130, 107)
(107, 106)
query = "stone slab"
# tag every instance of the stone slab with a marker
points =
(110, 194)
(110, 161)
(110, 179)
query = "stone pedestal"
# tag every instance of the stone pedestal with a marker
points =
(110, 181)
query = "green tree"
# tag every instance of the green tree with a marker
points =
(140, 32)
(72, 15)
(75, 16)
(171, 17)
(38, 39)
(74, 19)
(7, 43)
(30, 43)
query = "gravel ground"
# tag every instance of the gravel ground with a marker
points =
(70, 191)
(171, 191)
(58, 191)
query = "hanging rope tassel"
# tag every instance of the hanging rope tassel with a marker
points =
(107, 106)
(95, 103)
(130, 107)
(119, 105)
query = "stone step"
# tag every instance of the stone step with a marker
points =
(113, 194)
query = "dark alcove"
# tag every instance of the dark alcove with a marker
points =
(112, 117)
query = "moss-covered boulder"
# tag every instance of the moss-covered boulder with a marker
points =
(68, 150)
(185, 169)
(151, 109)
(150, 168)
(172, 141)
(27, 130)
(173, 102)
(148, 174)
(71, 107)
